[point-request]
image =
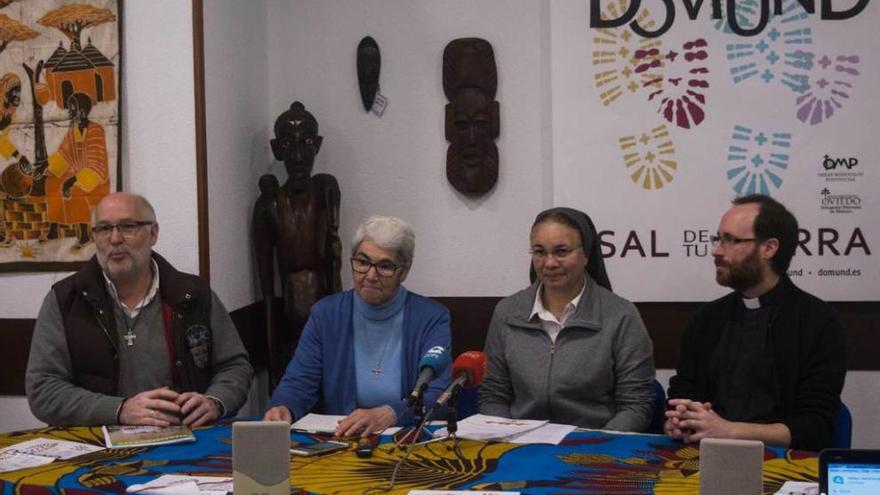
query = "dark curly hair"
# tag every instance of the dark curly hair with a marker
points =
(774, 221)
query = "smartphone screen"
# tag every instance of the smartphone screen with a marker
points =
(318, 448)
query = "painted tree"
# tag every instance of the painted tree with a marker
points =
(73, 19)
(12, 30)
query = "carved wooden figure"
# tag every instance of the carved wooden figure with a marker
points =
(298, 224)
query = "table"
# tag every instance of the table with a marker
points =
(586, 462)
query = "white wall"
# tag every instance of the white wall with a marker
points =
(236, 101)
(396, 165)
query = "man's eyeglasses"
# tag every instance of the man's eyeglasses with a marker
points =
(383, 268)
(558, 253)
(729, 240)
(127, 228)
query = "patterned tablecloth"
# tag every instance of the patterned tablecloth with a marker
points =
(586, 462)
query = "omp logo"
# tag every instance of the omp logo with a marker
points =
(437, 349)
(650, 157)
(832, 163)
(756, 161)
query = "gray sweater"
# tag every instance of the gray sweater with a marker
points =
(56, 400)
(598, 373)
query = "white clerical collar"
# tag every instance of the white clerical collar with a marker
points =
(752, 303)
(542, 312)
(151, 294)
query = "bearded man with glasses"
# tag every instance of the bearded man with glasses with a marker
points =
(359, 354)
(130, 340)
(767, 361)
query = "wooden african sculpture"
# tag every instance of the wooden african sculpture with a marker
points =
(297, 223)
(470, 80)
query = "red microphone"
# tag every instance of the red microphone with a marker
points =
(468, 371)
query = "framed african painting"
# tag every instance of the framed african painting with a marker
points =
(59, 128)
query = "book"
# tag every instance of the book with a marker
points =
(119, 436)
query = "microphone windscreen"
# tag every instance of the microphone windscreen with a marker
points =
(473, 364)
(436, 358)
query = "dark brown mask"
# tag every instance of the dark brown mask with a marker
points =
(472, 115)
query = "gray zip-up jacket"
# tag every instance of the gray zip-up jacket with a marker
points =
(598, 374)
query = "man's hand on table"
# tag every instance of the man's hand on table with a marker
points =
(155, 407)
(197, 409)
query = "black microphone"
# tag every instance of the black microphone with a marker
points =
(432, 365)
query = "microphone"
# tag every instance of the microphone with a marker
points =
(468, 371)
(432, 365)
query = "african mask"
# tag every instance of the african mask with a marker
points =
(470, 80)
(369, 61)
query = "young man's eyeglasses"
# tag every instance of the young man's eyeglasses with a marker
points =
(384, 268)
(127, 229)
(729, 240)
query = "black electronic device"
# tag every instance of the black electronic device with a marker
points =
(850, 472)
(319, 448)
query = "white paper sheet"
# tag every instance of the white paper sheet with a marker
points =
(177, 484)
(11, 461)
(326, 423)
(484, 427)
(552, 433)
(50, 447)
(798, 488)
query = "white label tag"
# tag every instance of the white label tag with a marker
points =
(379, 104)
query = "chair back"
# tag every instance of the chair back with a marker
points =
(659, 416)
(841, 434)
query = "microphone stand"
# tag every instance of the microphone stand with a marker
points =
(452, 423)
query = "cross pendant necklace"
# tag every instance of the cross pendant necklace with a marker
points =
(377, 370)
(129, 337)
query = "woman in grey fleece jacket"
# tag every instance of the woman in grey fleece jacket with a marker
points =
(577, 353)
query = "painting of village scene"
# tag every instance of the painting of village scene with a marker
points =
(59, 127)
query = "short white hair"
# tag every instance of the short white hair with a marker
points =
(389, 233)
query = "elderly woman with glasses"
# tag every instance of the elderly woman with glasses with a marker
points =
(360, 349)
(566, 348)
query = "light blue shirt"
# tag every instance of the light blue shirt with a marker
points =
(378, 350)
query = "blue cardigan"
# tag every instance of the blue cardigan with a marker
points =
(321, 376)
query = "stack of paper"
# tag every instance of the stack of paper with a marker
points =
(493, 428)
(317, 423)
(39, 451)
